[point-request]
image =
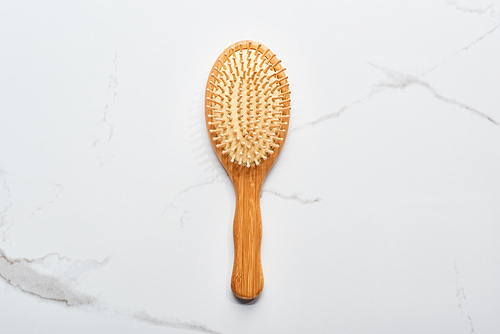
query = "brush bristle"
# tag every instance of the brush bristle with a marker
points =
(248, 104)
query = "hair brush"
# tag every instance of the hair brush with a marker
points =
(247, 112)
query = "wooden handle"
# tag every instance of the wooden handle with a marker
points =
(247, 280)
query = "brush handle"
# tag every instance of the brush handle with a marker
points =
(247, 280)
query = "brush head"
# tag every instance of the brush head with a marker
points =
(247, 104)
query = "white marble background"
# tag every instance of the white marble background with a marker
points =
(382, 214)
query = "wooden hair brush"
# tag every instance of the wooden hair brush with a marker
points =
(247, 112)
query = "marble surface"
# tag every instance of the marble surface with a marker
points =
(381, 215)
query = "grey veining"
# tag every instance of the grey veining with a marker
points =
(23, 275)
(190, 326)
(462, 300)
(400, 80)
(292, 197)
(108, 128)
(490, 8)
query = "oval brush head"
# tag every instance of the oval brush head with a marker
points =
(247, 112)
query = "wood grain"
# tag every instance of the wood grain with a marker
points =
(247, 279)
